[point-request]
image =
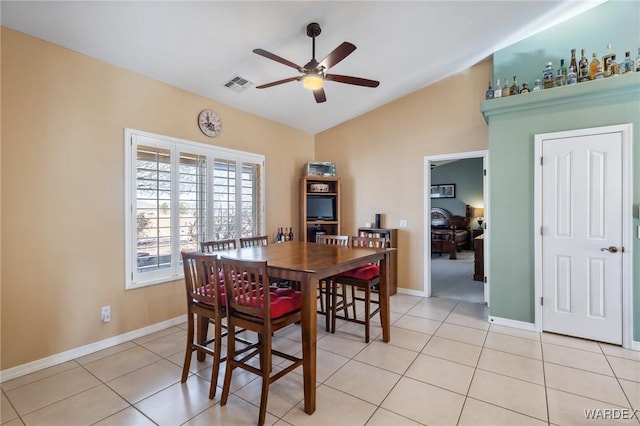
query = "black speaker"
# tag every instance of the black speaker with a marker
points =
(378, 224)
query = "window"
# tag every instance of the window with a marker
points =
(179, 193)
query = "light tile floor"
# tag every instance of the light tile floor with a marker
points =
(445, 365)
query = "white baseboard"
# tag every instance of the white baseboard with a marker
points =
(635, 345)
(411, 292)
(30, 367)
(529, 326)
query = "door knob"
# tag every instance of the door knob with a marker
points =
(612, 249)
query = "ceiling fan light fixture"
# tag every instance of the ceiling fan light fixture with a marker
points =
(312, 81)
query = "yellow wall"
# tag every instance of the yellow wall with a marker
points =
(379, 157)
(63, 116)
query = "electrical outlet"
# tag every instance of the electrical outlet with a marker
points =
(403, 223)
(106, 313)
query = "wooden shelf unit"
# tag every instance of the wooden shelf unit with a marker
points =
(307, 226)
(392, 236)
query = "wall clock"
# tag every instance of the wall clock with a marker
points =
(210, 123)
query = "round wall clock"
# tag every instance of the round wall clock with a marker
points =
(210, 123)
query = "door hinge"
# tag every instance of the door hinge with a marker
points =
(541, 301)
(485, 279)
(541, 161)
(484, 172)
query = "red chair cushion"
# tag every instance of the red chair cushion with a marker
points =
(282, 302)
(365, 273)
(208, 291)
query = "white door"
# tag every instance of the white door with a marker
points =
(582, 236)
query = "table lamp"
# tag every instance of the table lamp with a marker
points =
(478, 212)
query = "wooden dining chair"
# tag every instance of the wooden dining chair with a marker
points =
(324, 286)
(364, 278)
(217, 245)
(253, 305)
(261, 240)
(206, 303)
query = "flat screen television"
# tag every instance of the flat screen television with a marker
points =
(321, 207)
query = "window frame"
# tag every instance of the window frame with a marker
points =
(132, 139)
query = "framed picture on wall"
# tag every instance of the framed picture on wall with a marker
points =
(443, 191)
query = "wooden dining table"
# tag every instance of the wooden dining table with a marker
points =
(307, 263)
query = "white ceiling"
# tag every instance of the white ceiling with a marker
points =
(198, 46)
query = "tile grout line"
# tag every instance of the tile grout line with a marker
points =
(475, 369)
(412, 362)
(615, 375)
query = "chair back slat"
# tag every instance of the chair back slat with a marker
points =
(338, 240)
(258, 241)
(217, 245)
(201, 278)
(247, 287)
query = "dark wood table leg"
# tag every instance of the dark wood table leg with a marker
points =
(385, 311)
(202, 330)
(309, 335)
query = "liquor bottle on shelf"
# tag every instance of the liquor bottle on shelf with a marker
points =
(525, 88)
(593, 66)
(573, 64)
(291, 233)
(572, 77)
(285, 234)
(599, 75)
(278, 235)
(583, 68)
(627, 65)
(547, 76)
(515, 89)
(606, 62)
(537, 85)
(614, 67)
(497, 93)
(489, 93)
(561, 75)
(637, 65)
(506, 90)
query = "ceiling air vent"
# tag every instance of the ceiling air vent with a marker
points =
(238, 84)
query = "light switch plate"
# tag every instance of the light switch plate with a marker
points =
(403, 223)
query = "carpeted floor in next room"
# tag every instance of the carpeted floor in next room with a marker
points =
(453, 279)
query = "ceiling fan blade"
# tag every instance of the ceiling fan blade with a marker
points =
(319, 95)
(338, 54)
(275, 83)
(351, 80)
(277, 58)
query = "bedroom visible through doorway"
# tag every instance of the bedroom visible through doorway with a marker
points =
(455, 221)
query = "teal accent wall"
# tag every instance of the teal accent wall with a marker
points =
(514, 121)
(513, 124)
(616, 22)
(467, 175)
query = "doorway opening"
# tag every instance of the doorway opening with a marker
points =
(455, 205)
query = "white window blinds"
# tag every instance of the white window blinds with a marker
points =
(179, 193)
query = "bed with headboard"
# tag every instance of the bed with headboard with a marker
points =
(449, 233)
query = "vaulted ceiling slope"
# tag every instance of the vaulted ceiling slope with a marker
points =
(200, 46)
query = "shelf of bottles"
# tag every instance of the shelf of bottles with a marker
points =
(284, 234)
(579, 71)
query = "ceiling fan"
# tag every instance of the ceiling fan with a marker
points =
(313, 74)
